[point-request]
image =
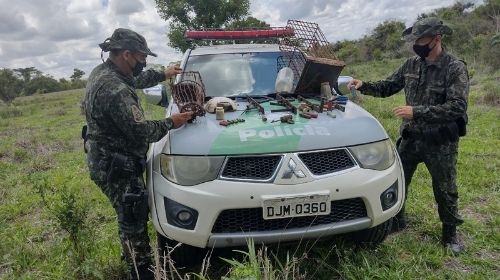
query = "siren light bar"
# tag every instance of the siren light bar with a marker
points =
(275, 32)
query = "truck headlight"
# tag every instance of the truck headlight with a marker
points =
(378, 155)
(190, 170)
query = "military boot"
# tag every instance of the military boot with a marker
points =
(450, 240)
(399, 222)
(144, 272)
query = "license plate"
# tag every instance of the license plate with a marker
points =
(286, 207)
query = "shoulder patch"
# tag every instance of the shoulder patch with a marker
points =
(138, 115)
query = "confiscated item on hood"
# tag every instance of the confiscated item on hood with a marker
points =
(228, 104)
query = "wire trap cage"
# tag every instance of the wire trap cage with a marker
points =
(189, 94)
(310, 56)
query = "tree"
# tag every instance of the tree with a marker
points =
(77, 74)
(41, 84)
(198, 14)
(387, 37)
(10, 85)
(28, 73)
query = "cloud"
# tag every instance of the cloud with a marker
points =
(86, 6)
(56, 36)
(12, 22)
(126, 7)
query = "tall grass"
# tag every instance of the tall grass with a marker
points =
(45, 143)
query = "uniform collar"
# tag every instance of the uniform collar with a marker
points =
(114, 68)
(439, 60)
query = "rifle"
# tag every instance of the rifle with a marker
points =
(253, 104)
(315, 107)
(338, 102)
(284, 102)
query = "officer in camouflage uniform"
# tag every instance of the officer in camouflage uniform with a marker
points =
(436, 87)
(118, 135)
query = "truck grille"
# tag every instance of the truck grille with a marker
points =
(251, 220)
(325, 162)
(251, 168)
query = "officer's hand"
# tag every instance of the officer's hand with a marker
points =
(181, 118)
(172, 71)
(404, 112)
(354, 83)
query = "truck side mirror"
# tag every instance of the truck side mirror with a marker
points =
(164, 97)
(342, 84)
(157, 95)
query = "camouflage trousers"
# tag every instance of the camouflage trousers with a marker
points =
(442, 168)
(132, 216)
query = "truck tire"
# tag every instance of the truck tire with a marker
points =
(372, 237)
(183, 255)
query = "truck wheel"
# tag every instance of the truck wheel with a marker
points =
(372, 237)
(183, 255)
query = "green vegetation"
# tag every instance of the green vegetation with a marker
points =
(56, 224)
(28, 81)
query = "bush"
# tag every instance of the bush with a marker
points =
(491, 94)
(8, 111)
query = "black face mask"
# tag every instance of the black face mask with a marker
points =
(137, 69)
(423, 51)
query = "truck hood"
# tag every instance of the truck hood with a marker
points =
(206, 136)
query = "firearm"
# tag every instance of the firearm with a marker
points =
(338, 102)
(285, 119)
(253, 104)
(315, 107)
(284, 102)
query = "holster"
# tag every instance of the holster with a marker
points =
(85, 138)
(134, 207)
(462, 125)
(125, 166)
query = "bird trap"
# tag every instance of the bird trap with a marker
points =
(310, 56)
(189, 94)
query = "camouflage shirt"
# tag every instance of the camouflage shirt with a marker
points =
(436, 90)
(115, 119)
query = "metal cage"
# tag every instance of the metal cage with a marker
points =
(189, 93)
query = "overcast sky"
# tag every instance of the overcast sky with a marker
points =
(56, 36)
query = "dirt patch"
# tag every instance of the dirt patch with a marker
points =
(472, 213)
(455, 265)
(488, 254)
(40, 164)
(5, 269)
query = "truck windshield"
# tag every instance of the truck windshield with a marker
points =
(236, 73)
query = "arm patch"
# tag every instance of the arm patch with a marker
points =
(138, 115)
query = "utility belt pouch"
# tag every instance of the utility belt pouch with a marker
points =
(398, 142)
(462, 125)
(433, 135)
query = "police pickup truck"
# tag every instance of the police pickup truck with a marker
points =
(213, 186)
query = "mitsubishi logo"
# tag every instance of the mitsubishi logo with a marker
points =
(293, 170)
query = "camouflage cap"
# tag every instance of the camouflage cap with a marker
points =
(126, 39)
(426, 27)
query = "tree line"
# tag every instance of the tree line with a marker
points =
(28, 81)
(475, 38)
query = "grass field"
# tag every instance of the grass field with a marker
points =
(56, 224)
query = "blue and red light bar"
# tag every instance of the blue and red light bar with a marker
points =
(275, 32)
